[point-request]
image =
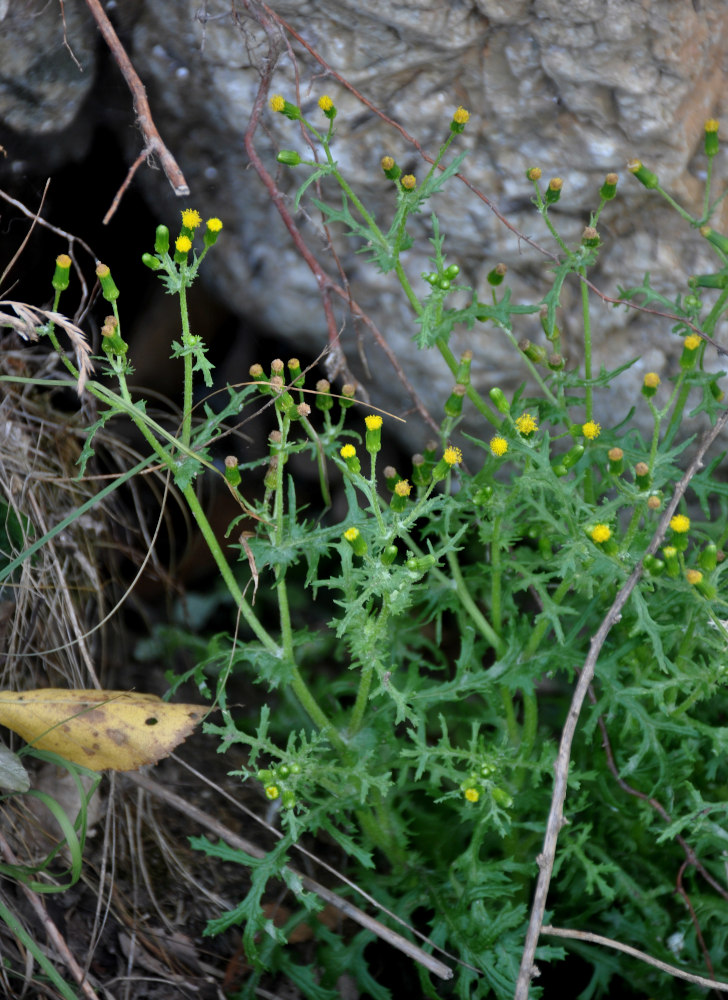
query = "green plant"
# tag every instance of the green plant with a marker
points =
(416, 692)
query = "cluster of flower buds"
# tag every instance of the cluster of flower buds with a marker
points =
(277, 783)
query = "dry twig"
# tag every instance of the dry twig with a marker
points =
(561, 767)
(153, 140)
(671, 970)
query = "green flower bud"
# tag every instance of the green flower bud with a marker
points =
(452, 271)
(420, 564)
(499, 400)
(708, 558)
(719, 280)
(501, 797)
(553, 191)
(534, 352)
(355, 540)
(348, 392)
(711, 137)
(389, 555)
(294, 370)
(462, 376)
(391, 477)
(161, 240)
(454, 404)
(572, 456)
(609, 188)
(691, 346)
(482, 496)
(420, 471)
(289, 157)
(61, 275)
(324, 400)
(270, 479)
(643, 175)
(108, 289)
(671, 561)
(653, 565)
(497, 274)
(642, 475)
(232, 472)
(719, 241)
(150, 261)
(616, 461)
(555, 362)
(348, 453)
(391, 170)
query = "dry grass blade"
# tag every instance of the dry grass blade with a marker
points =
(26, 320)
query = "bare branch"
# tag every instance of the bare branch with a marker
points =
(153, 140)
(671, 970)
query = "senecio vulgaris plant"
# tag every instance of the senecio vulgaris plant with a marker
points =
(456, 610)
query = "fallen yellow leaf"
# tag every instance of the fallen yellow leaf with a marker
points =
(114, 730)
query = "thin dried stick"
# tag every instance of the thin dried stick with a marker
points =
(671, 970)
(556, 812)
(344, 906)
(153, 140)
(35, 216)
(54, 935)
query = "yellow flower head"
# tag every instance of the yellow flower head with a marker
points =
(325, 103)
(712, 125)
(498, 445)
(533, 173)
(680, 523)
(373, 422)
(387, 162)
(272, 792)
(600, 533)
(461, 116)
(591, 429)
(191, 218)
(471, 794)
(351, 534)
(525, 424)
(652, 380)
(277, 102)
(453, 456)
(63, 260)
(408, 182)
(692, 342)
(214, 225)
(348, 451)
(402, 488)
(183, 244)
(693, 576)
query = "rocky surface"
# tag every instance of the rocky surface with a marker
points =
(577, 88)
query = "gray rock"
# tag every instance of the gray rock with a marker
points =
(577, 89)
(44, 80)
